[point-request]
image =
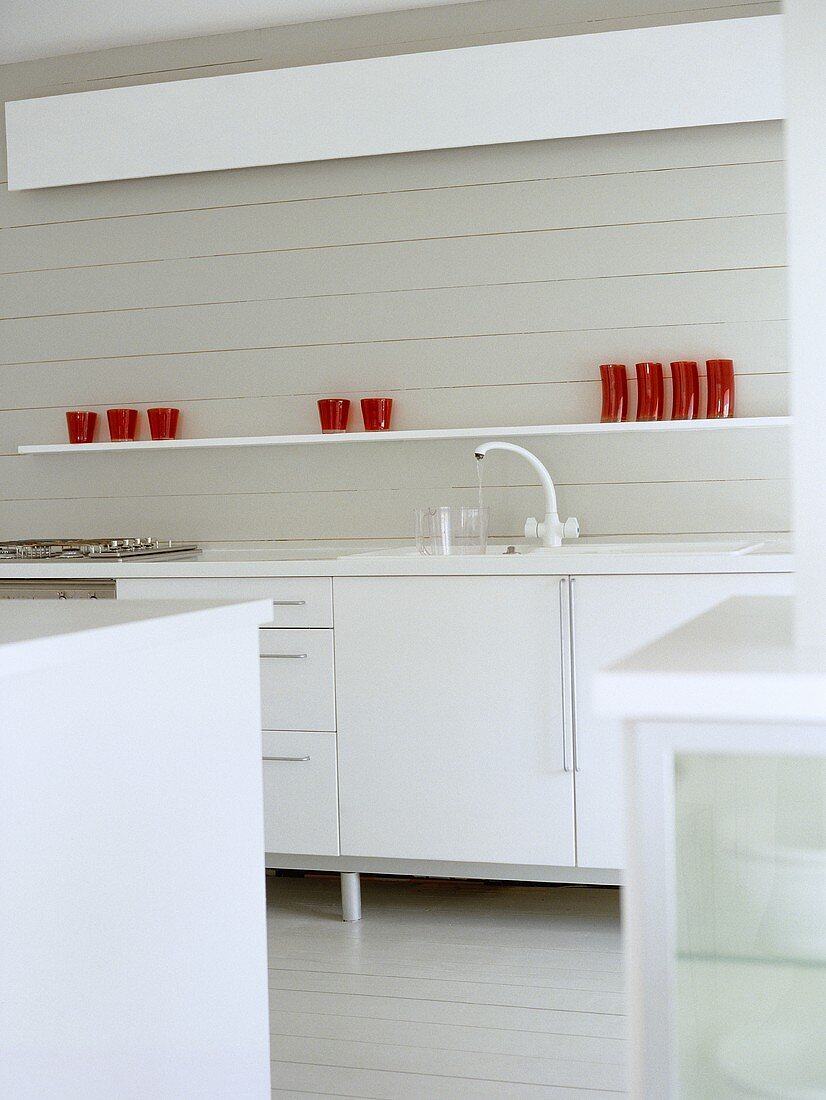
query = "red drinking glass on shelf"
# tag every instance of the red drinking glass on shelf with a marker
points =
(163, 423)
(81, 425)
(614, 393)
(123, 424)
(333, 412)
(720, 379)
(685, 390)
(650, 402)
(375, 412)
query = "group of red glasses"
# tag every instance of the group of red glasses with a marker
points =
(123, 424)
(685, 389)
(334, 414)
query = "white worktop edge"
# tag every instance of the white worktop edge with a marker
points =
(38, 633)
(584, 564)
(735, 663)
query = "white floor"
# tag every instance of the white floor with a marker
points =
(445, 991)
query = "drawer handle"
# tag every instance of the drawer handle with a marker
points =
(283, 656)
(289, 603)
(289, 759)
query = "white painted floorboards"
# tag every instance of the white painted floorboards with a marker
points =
(445, 991)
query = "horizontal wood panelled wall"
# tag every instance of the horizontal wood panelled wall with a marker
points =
(474, 286)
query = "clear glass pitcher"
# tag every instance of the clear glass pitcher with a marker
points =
(451, 529)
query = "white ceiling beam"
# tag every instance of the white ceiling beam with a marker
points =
(696, 74)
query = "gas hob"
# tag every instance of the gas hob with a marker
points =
(93, 549)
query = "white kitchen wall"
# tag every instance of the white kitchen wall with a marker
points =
(475, 286)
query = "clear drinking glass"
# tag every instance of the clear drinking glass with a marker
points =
(451, 529)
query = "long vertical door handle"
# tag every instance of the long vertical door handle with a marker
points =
(564, 603)
(572, 651)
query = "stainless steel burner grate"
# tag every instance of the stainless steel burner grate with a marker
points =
(118, 549)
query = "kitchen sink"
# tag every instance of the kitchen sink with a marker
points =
(710, 547)
(584, 547)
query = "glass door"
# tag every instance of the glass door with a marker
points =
(751, 926)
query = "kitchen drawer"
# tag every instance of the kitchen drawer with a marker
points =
(297, 680)
(300, 794)
(297, 601)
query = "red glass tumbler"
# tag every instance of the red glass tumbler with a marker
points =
(720, 378)
(685, 390)
(614, 392)
(334, 412)
(375, 412)
(650, 404)
(163, 423)
(123, 424)
(81, 426)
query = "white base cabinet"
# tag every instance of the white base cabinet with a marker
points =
(448, 719)
(298, 709)
(451, 719)
(610, 617)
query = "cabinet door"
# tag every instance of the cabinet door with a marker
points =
(612, 616)
(449, 697)
(300, 798)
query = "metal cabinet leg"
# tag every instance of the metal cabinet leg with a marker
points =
(350, 895)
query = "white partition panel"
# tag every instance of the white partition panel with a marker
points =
(657, 78)
(806, 179)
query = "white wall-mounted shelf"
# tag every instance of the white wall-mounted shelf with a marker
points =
(416, 435)
(651, 78)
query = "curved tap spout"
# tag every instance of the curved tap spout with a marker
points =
(544, 476)
(551, 530)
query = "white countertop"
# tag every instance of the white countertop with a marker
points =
(34, 633)
(364, 559)
(736, 662)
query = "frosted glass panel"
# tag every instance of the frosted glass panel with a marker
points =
(751, 927)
